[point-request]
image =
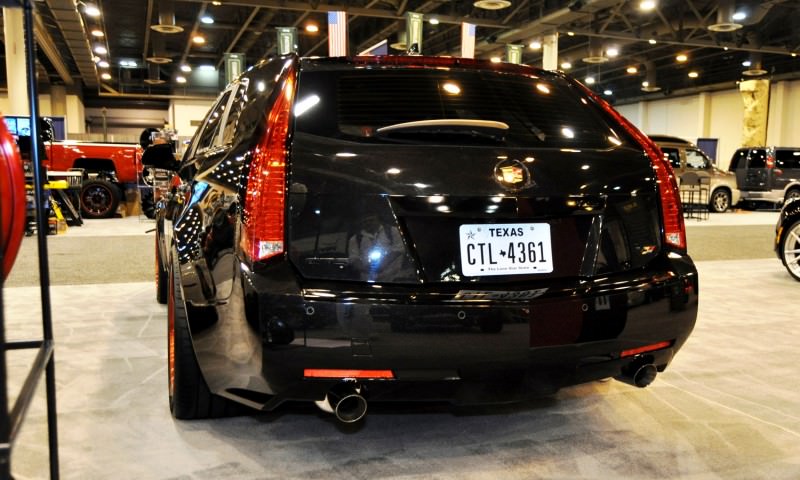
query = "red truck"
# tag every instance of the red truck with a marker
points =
(106, 167)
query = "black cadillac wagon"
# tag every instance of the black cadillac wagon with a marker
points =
(416, 228)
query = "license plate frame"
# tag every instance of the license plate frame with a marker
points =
(505, 249)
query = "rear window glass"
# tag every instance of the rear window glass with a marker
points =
(787, 158)
(673, 156)
(353, 105)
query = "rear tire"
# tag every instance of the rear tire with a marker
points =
(189, 395)
(720, 200)
(99, 198)
(790, 250)
(162, 276)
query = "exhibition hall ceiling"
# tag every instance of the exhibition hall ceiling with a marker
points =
(158, 49)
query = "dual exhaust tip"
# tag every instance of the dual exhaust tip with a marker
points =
(345, 401)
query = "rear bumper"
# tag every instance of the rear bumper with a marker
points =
(773, 196)
(460, 346)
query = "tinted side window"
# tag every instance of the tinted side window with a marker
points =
(738, 160)
(213, 124)
(673, 156)
(787, 158)
(696, 159)
(758, 158)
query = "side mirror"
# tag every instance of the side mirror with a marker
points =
(160, 156)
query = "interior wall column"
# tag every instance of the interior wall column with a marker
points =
(14, 36)
(550, 52)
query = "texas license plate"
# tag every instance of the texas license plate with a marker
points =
(505, 249)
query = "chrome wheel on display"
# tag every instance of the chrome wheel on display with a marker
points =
(790, 250)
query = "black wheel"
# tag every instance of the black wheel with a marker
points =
(792, 194)
(99, 198)
(147, 202)
(162, 276)
(189, 396)
(720, 200)
(790, 249)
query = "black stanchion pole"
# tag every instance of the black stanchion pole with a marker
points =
(41, 222)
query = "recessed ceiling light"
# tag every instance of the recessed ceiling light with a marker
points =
(535, 45)
(647, 5)
(612, 52)
(652, 41)
(106, 76)
(590, 80)
(186, 68)
(100, 50)
(180, 79)
(496, 60)
(693, 74)
(207, 19)
(571, 34)
(740, 15)
(607, 92)
(681, 57)
(794, 54)
(312, 28)
(216, 3)
(492, 4)
(434, 21)
(746, 63)
(566, 65)
(98, 33)
(632, 70)
(199, 39)
(102, 64)
(91, 10)
(645, 84)
(127, 63)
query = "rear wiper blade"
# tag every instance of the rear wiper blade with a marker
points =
(450, 126)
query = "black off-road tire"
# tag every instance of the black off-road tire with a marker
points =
(147, 202)
(99, 198)
(189, 395)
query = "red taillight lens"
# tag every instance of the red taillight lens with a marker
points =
(646, 348)
(671, 210)
(335, 373)
(265, 198)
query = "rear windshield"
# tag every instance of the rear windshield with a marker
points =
(758, 158)
(354, 104)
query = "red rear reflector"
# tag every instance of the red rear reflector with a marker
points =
(671, 210)
(646, 348)
(333, 373)
(265, 200)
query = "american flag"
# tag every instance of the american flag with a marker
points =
(467, 40)
(337, 34)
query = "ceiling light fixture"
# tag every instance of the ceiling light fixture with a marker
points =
(632, 70)
(199, 39)
(312, 28)
(693, 74)
(590, 80)
(566, 65)
(100, 50)
(535, 45)
(612, 52)
(180, 79)
(725, 21)
(495, 60)
(216, 3)
(647, 5)
(681, 57)
(608, 92)
(738, 16)
(207, 19)
(102, 64)
(434, 21)
(746, 63)
(98, 33)
(652, 41)
(91, 10)
(492, 4)
(106, 76)
(186, 68)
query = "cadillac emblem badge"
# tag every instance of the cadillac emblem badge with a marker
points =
(512, 175)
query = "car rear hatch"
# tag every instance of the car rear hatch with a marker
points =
(389, 184)
(760, 163)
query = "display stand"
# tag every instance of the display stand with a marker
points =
(694, 190)
(11, 420)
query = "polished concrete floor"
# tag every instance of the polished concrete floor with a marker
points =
(727, 408)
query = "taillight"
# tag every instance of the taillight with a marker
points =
(265, 197)
(671, 210)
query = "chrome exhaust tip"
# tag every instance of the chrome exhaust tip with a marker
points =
(639, 373)
(345, 401)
